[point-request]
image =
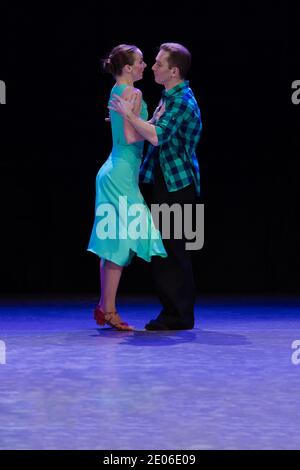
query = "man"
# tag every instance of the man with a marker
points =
(172, 166)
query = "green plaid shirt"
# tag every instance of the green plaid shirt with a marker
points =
(178, 132)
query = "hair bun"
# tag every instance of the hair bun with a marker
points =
(119, 57)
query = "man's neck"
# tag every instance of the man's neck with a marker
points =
(172, 83)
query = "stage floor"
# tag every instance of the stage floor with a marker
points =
(228, 384)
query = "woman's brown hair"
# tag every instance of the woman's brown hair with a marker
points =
(119, 57)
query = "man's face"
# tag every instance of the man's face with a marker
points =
(161, 68)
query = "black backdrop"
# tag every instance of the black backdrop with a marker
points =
(54, 139)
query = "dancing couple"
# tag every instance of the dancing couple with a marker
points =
(170, 165)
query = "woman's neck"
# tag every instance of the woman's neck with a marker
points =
(124, 81)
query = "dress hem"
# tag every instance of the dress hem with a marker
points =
(109, 258)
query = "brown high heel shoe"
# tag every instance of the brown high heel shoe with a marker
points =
(112, 319)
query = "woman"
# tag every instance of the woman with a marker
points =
(118, 194)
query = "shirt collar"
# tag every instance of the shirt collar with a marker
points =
(176, 89)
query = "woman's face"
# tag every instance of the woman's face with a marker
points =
(138, 66)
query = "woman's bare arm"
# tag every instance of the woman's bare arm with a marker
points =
(131, 135)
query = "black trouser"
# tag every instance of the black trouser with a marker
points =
(173, 275)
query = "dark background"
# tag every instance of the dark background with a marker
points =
(54, 139)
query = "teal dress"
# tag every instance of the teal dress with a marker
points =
(123, 225)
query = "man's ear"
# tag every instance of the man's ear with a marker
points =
(175, 72)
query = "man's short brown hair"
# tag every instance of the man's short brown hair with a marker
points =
(179, 56)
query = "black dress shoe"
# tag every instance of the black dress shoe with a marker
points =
(157, 325)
